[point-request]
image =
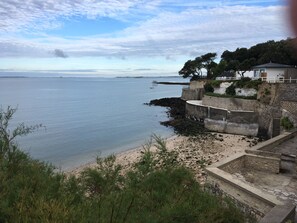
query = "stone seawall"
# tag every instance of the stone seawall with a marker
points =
(230, 103)
(276, 101)
(196, 111)
(242, 117)
(192, 94)
(222, 120)
(231, 128)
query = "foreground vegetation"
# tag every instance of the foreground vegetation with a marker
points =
(156, 189)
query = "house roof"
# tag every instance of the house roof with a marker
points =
(272, 65)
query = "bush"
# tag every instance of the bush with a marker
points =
(254, 97)
(242, 82)
(208, 87)
(267, 91)
(286, 123)
(246, 82)
(215, 83)
(245, 79)
(253, 84)
(231, 90)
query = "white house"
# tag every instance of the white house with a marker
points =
(248, 73)
(273, 72)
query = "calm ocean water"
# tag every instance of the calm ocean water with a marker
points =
(85, 117)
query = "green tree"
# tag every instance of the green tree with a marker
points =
(7, 136)
(220, 68)
(243, 59)
(245, 65)
(208, 63)
(193, 68)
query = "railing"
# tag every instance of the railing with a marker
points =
(279, 80)
(234, 78)
(265, 79)
(228, 78)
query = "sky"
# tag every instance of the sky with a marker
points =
(129, 37)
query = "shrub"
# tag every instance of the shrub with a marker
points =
(286, 123)
(208, 87)
(245, 79)
(215, 83)
(254, 97)
(231, 90)
(267, 91)
(247, 82)
(253, 84)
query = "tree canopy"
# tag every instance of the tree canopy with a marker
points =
(242, 59)
(193, 68)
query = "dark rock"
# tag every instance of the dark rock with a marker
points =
(178, 120)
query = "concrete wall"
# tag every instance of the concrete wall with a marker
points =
(231, 128)
(197, 84)
(250, 199)
(270, 144)
(202, 112)
(239, 91)
(242, 117)
(280, 214)
(217, 113)
(261, 163)
(252, 162)
(287, 92)
(188, 94)
(222, 120)
(273, 99)
(222, 88)
(245, 91)
(230, 103)
(290, 106)
(278, 97)
(236, 165)
(265, 207)
(196, 111)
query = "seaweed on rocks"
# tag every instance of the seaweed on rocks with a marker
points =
(177, 117)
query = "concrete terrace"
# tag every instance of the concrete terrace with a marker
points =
(262, 181)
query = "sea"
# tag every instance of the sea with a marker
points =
(86, 117)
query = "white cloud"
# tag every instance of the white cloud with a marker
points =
(189, 32)
(42, 14)
(23, 15)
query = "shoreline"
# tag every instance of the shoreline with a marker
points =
(127, 152)
(194, 152)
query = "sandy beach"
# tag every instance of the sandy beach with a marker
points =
(195, 152)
